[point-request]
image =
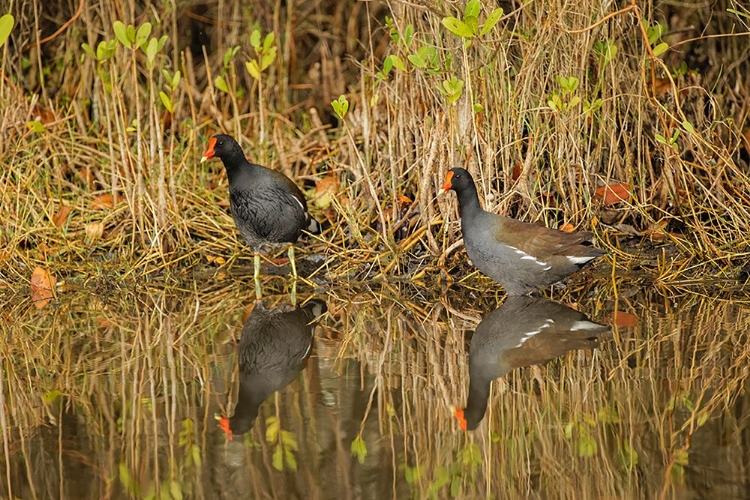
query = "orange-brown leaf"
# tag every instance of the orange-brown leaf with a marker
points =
(624, 319)
(42, 287)
(61, 216)
(567, 228)
(94, 230)
(325, 189)
(661, 86)
(613, 193)
(103, 202)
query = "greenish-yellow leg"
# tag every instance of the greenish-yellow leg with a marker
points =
(291, 261)
(256, 277)
(293, 293)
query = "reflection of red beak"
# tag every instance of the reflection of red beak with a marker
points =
(445, 187)
(210, 151)
(224, 421)
(459, 412)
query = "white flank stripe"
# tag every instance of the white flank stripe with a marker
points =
(525, 256)
(526, 336)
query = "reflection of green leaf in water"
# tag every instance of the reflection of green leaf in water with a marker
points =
(359, 449)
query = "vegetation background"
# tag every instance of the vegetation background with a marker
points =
(628, 118)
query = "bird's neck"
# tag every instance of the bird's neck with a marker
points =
(235, 165)
(476, 405)
(468, 201)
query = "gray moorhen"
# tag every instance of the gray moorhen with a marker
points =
(274, 346)
(267, 207)
(523, 331)
(520, 256)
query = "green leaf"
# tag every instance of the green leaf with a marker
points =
(51, 396)
(176, 79)
(130, 33)
(478, 108)
(166, 101)
(397, 62)
(731, 11)
(253, 68)
(196, 452)
(175, 490)
(688, 126)
(387, 65)
(340, 106)
(87, 48)
(267, 58)
(272, 429)
(457, 27)
(126, 479)
(290, 459)
(660, 49)
(162, 40)
(408, 34)
(255, 39)
(121, 33)
(37, 127)
(359, 449)
(456, 486)
(221, 84)
(491, 21)
(473, 23)
(151, 50)
(142, 36)
(568, 431)
(278, 458)
(6, 26)
(416, 60)
(268, 42)
(472, 9)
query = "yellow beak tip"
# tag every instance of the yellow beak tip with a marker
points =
(203, 159)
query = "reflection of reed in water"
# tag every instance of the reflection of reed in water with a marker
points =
(274, 346)
(523, 331)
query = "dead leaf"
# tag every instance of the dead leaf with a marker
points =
(103, 202)
(661, 86)
(613, 193)
(325, 189)
(42, 287)
(567, 228)
(94, 230)
(624, 319)
(516, 172)
(61, 216)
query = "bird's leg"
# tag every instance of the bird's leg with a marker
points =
(293, 294)
(292, 263)
(256, 277)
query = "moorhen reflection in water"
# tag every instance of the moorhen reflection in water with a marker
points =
(523, 331)
(274, 346)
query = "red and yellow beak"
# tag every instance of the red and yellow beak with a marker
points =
(210, 151)
(459, 413)
(447, 184)
(224, 422)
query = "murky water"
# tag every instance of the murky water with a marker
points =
(114, 395)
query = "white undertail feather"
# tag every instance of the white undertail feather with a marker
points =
(576, 259)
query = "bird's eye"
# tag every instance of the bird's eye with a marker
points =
(221, 143)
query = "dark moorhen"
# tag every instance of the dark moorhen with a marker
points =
(524, 331)
(522, 257)
(267, 207)
(274, 346)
